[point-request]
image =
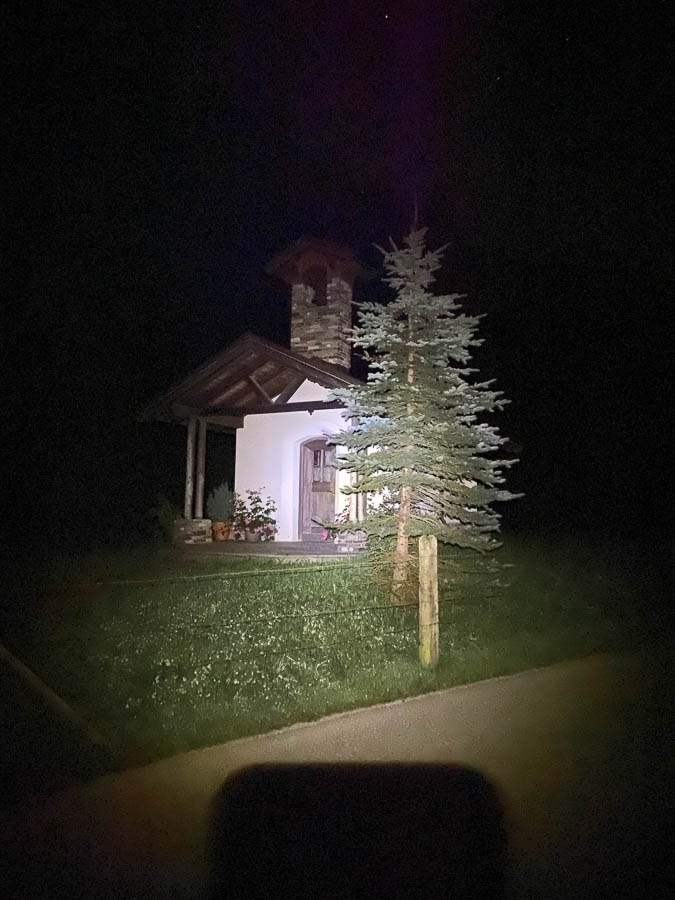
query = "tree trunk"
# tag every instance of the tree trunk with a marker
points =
(402, 554)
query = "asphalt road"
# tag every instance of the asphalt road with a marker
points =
(580, 754)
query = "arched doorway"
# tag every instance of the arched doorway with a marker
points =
(317, 488)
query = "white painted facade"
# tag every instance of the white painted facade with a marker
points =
(268, 455)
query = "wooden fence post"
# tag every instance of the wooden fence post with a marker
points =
(428, 601)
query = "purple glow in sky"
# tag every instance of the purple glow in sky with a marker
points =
(374, 81)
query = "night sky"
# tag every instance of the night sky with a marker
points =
(160, 155)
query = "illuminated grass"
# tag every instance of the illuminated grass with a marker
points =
(167, 666)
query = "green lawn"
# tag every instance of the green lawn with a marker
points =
(40, 752)
(236, 647)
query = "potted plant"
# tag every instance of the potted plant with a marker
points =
(254, 517)
(220, 509)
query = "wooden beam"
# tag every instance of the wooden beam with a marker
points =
(201, 463)
(238, 379)
(306, 367)
(259, 389)
(190, 467)
(180, 411)
(259, 409)
(225, 423)
(185, 412)
(214, 371)
(232, 416)
(290, 389)
(249, 354)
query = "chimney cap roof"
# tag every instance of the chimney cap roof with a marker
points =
(288, 264)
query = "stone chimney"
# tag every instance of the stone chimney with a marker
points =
(321, 275)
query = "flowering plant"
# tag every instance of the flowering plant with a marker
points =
(341, 518)
(255, 514)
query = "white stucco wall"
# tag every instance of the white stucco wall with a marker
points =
(268, 454)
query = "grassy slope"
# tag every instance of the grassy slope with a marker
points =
(164, 667)
(39, 752)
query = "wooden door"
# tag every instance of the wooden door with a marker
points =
(317, 488)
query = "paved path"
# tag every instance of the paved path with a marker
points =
(578, 751)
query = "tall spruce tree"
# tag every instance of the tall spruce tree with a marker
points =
(418, 444)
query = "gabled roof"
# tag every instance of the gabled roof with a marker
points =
(252, 375)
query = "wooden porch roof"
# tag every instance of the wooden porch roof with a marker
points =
(252, 375)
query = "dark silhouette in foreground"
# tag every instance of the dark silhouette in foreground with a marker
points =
(358, 831)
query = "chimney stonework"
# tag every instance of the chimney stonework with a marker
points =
(321, 276)
(322, 331)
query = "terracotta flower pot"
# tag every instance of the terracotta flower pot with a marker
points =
(221, 531)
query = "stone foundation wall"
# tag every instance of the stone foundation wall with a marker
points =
(351, 542)
(192, 531)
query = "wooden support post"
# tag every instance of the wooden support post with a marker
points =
(428, 601)
(190, 467)
(201, 462)
(361, 507)
(353, 478)
(353, 500)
